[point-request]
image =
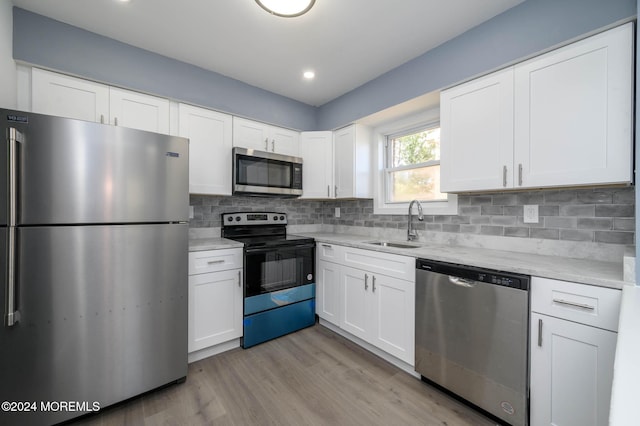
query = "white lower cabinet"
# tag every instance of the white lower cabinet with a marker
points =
(215, 297)
(573, 341)
(373, 306)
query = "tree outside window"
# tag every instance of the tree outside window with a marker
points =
(413, 166)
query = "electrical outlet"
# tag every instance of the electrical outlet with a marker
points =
(531, 213)
(337, 212)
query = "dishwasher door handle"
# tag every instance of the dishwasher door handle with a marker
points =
(461, 282)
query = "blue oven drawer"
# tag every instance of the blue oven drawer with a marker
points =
(274, 323)
(266, 301)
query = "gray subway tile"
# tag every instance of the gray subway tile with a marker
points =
(512, 210)
(480, 220)
(614, 237)
(505, 199)
(460, 219)
(624, 196)
(560, 197)
(545, 233)
(469, 210)
(539, 224)
(548, 210)
(595, 223)
(578, 210)
(480, 199)
(491, 210)
(470, 229)
(491, 230)
(503, 220)
(464, 200)
(447, 227)
(516, 231)
(560, 222)
(595, 197)
(530, 197)
(576, 235)
(434, 227)
(624, 224)
(615, 210)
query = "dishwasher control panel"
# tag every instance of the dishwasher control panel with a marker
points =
(473, 273)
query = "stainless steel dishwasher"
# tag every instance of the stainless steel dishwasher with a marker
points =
(472, 333)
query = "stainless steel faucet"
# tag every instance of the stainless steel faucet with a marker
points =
(411, 233)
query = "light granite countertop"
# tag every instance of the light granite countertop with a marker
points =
(213, 243)
(586, 271)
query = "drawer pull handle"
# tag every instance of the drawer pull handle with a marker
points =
(575, 305)
(213, 262)
(373, 282)
(240, 279)
(366, 281)
(540, 332)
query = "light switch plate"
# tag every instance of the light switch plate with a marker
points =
(337, 212)
(531, 213)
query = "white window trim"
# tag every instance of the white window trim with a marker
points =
(380, 206)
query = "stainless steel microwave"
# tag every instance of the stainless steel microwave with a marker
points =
(266, 173)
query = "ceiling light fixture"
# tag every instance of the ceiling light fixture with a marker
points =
(286, 8)
(309, 75)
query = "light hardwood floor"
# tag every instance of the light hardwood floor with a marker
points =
(311, 377)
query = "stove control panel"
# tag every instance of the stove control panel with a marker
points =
(254, 218)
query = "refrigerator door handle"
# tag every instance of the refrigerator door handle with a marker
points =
(12, 314)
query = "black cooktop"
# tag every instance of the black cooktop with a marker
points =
(260, 229)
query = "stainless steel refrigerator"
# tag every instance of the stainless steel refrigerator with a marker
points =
(93, 264)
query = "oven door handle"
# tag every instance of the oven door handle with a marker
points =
(277, 248)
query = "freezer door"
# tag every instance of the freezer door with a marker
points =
(103, 317)
(72, 171)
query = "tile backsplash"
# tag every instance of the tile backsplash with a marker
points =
(598, 215)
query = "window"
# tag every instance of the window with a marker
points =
(412, 168)
(408, 166)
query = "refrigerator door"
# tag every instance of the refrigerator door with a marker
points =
(78, 172)
(103, 317)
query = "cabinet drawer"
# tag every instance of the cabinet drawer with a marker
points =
(402, 267)
(201, 262)
(329, 252)
(586, 304)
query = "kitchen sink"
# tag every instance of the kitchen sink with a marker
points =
(392, 244)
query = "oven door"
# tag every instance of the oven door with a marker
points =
(270, 269)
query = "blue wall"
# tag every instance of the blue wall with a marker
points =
(530, 27)
(52, 44)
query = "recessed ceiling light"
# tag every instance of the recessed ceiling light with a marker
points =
(123, 1)
(286, 8)
(309, 75)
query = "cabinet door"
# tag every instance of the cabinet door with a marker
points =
(210, 141)
(476, 120)
(215, 308)
(284, 141)
(344, 162)
(316, 150)
(328, 291)
(139, 111)
(571, 372)
(355, 286)
(574, 113)
(251, 134)
(64, 96)
(394, 316)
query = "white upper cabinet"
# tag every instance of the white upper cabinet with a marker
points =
(210, 144)
(263, 137)
(476, 122)
(560, 119)
(138, 111)
(70, 97)
(65, 96)
(573, 122)
(316, 150)
(352, 167)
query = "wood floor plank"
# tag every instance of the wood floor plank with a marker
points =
(312, 377)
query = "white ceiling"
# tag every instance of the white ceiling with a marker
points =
(346, 42)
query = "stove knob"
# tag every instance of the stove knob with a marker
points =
(237, 218)
(275, 218)
(281, 217)
(229, 219)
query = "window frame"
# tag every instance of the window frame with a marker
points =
(421, 120)
(388, 156)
